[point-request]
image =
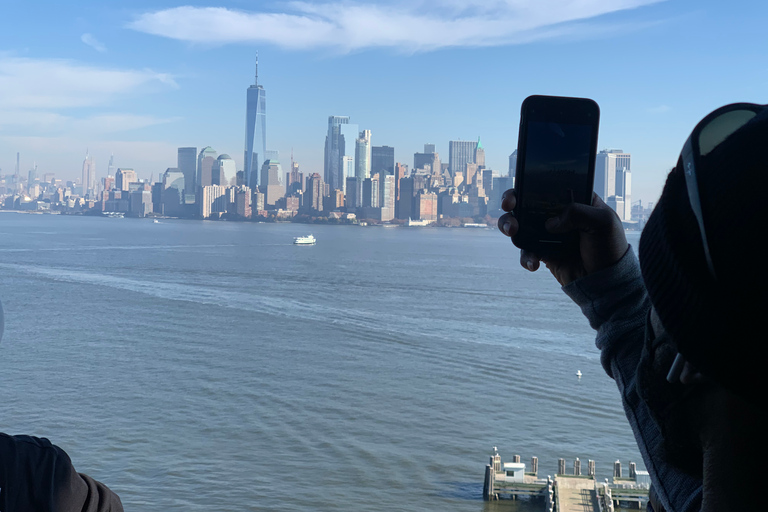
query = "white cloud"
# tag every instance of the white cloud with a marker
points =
(417, 26)
(93, 43)
(58, 84)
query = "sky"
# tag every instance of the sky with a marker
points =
(140, 79)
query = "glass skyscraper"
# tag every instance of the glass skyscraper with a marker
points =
(255, 131)
(339, 143)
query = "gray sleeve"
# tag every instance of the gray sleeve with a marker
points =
(616, 304)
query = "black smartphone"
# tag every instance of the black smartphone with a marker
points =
(556, 149)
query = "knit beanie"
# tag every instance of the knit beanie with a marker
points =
(716, 323)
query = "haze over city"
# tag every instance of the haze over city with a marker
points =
(143, 80)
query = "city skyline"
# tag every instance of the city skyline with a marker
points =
(126, 82)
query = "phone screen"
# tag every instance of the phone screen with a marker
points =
(557, 158)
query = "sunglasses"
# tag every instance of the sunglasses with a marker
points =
(706, 136)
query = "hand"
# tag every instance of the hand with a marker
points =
(601, 238)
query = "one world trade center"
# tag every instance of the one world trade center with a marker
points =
(255, 131)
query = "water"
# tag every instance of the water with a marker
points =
(199, 366)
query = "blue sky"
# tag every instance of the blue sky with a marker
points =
(140, 79)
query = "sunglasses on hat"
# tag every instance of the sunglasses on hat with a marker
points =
(706, 136)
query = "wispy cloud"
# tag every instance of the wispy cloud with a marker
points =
(93, 43)
(27, 83)
(411, 27)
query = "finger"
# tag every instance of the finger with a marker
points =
(508, 200)
(582, 217)
(529, 260)
(507, 224)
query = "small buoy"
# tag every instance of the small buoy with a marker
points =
(578, 373)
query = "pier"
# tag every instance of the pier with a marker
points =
(567, 491)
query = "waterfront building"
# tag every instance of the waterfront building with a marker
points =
(205, 161)
(255, 131)
(186, 162)
(363, 155)
(425, 205)
(405, 198)
(460, 153)
(314, 193)
(339, 143)
(214, 201)
(383, 159)
(243, 202)
(354, 193)
(387, 197)
(141, 203)
(613, 180)
(173, 191)
(371, 192)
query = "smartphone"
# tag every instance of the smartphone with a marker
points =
(556, 149)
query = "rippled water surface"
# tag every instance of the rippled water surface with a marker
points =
(196, 366)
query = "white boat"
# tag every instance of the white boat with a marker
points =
(578, 373)
(156, 221)
(304, 240)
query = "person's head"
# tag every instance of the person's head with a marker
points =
(706, 308)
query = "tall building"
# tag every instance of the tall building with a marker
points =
(186, 162)
(214, 200)
(124, 178)
(205, 161)
(89, 177)
(339, 143)
(223, 171)
(480, 155)
(313, 196)
(363, 155)
(271, 182)
(512, 164)
(460, 153)
(428, 157)
(383, 159)
(255, 131)
(613, 180)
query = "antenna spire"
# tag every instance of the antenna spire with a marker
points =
(256, 79)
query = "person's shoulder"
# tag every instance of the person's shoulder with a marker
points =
(31, 448)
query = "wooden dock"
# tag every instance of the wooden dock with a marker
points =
(573, 492)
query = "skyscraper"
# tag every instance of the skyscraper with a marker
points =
(383, 159)
(205, 161)
(363, 155)
(512, 164)
(255, 131)
(339, 142)
(613, 180)
(186, 162)
(271, 176)
(460, 153)
(89, 177)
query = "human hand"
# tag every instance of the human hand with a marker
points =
(601, 238)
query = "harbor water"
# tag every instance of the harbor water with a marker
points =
(197, 366)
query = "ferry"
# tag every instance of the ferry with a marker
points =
(304, 240)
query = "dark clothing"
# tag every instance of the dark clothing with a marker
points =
(36, 476)
(616, 304)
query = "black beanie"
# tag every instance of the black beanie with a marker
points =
(717, 324)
